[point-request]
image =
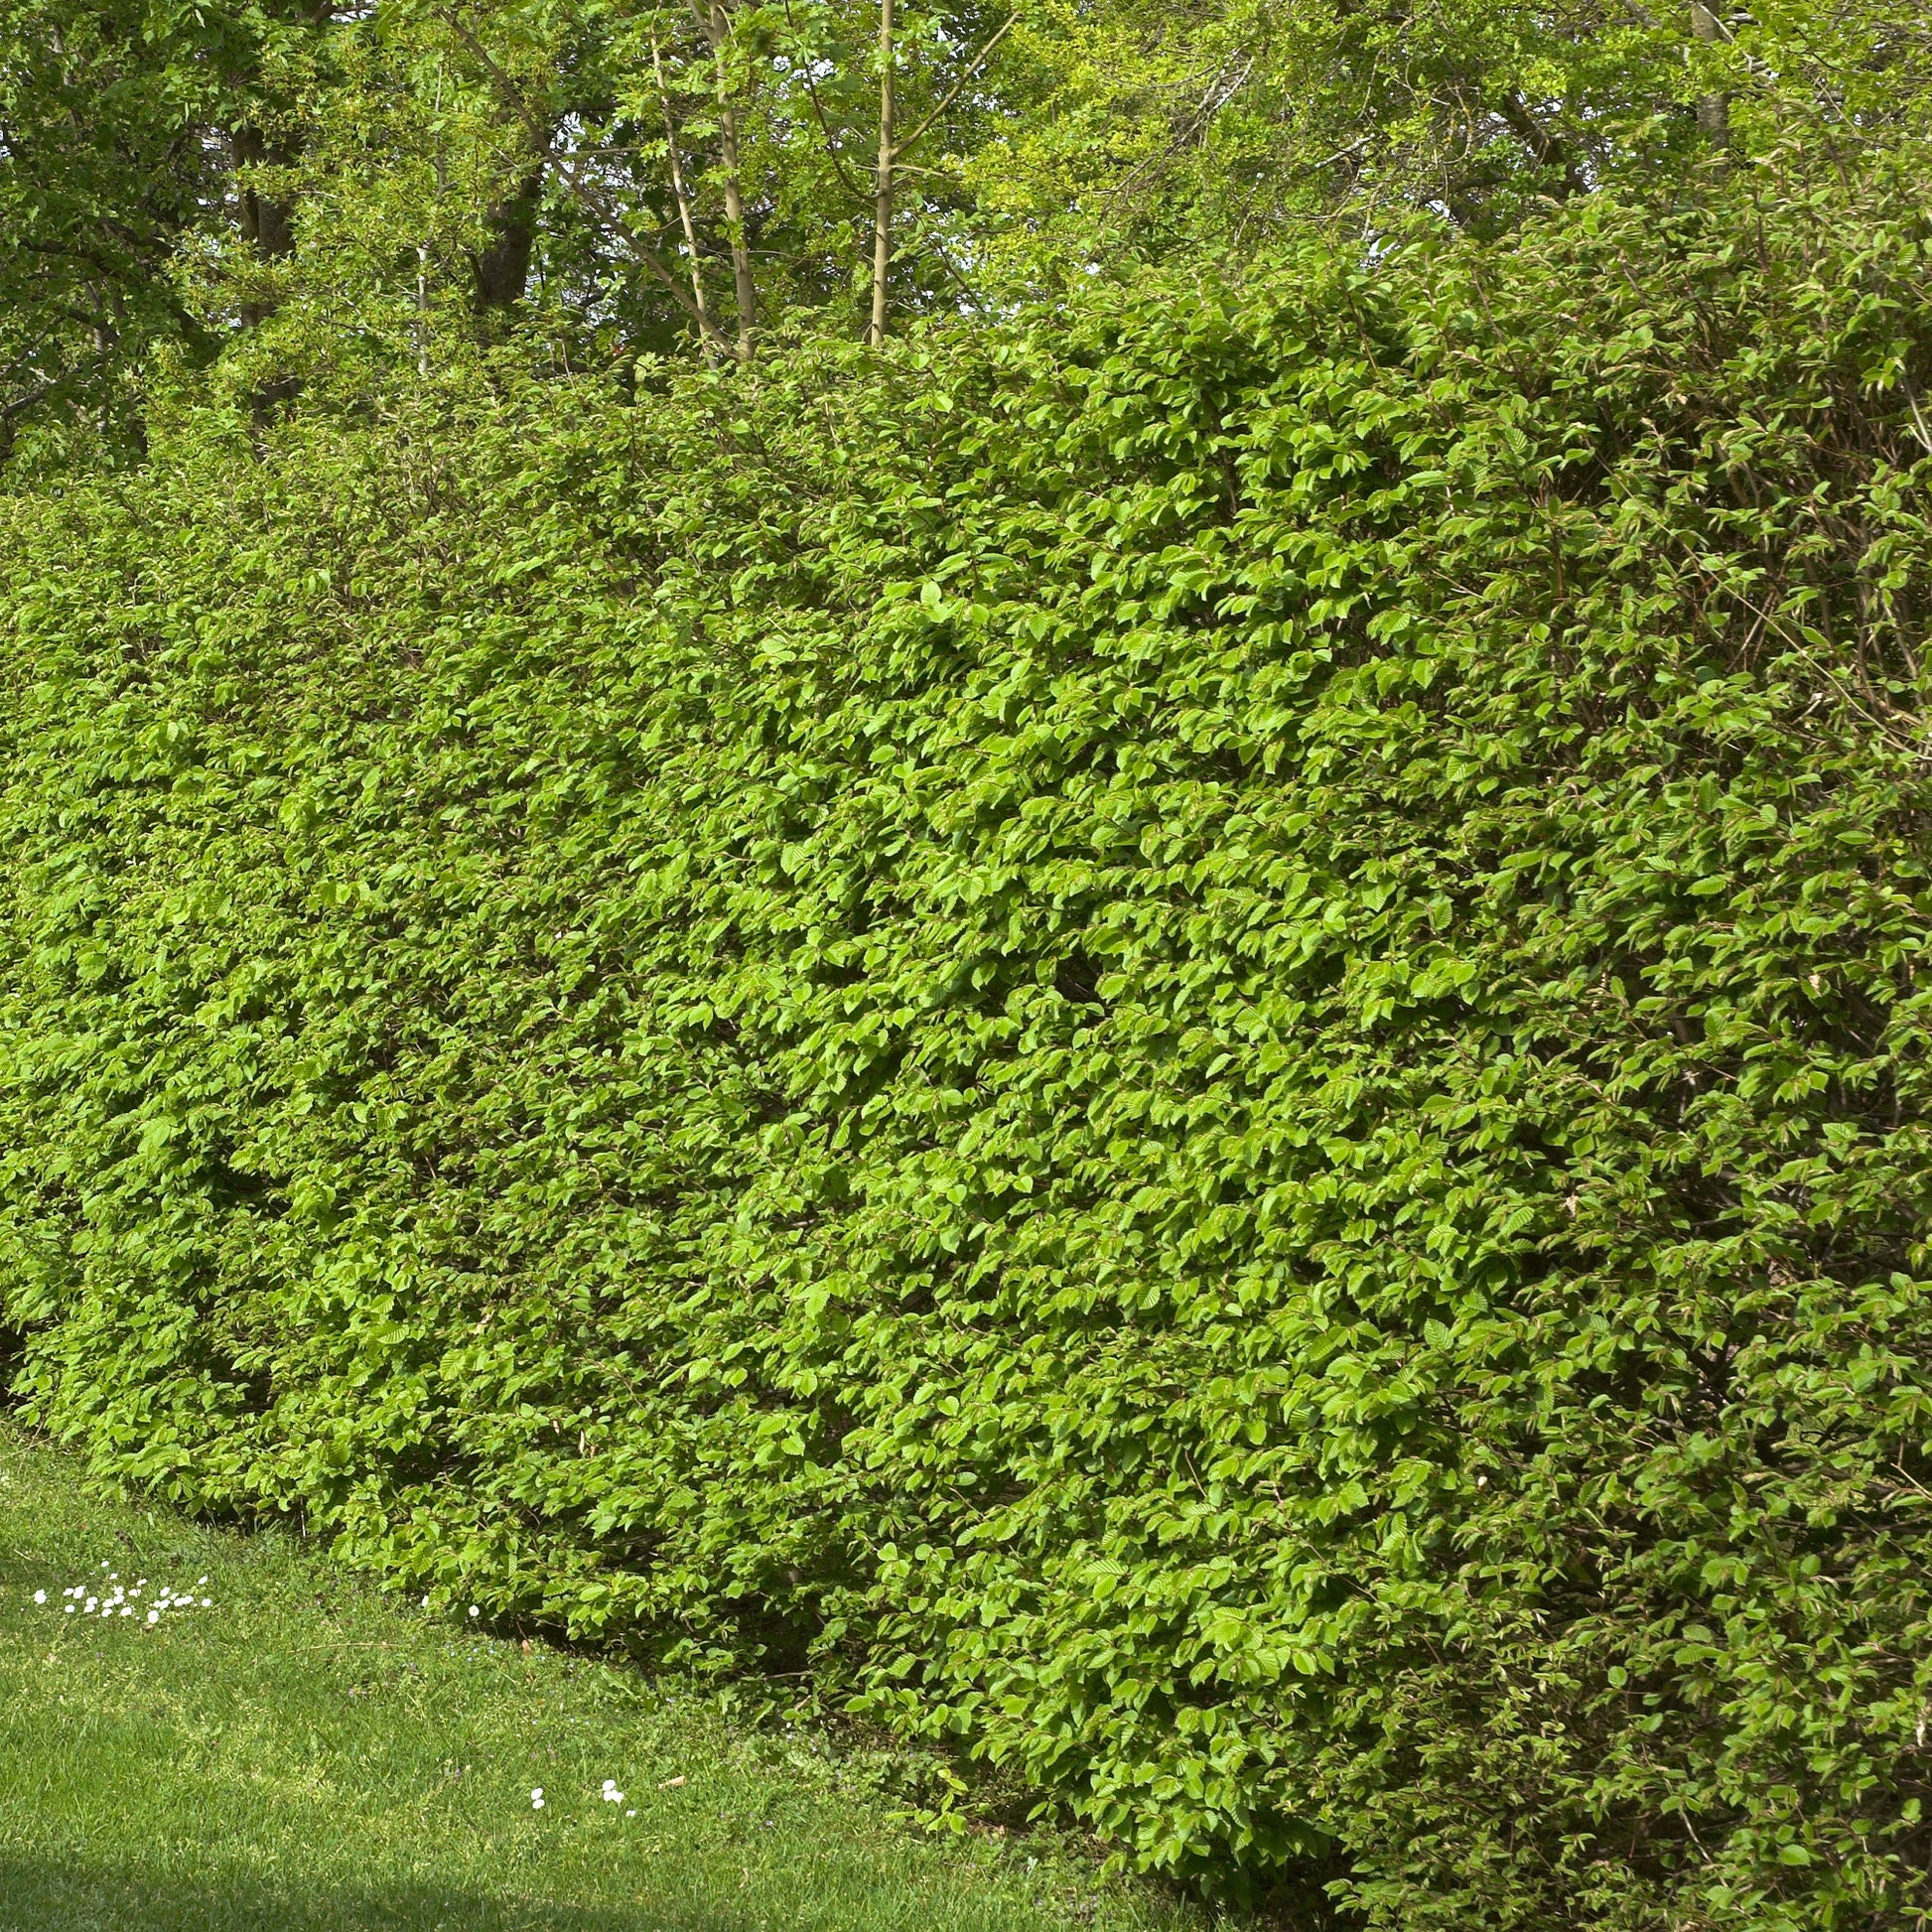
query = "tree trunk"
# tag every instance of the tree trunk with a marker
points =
(1713, 111)
(744, 282)
(502, 268)
(265, 222)
(268, 225)
(881, 199)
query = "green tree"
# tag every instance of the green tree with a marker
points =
(1224, 127)
(130, 134)
(101, 173)
(419, 181)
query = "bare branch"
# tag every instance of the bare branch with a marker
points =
(1220, 92)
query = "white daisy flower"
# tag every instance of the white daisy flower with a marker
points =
(40, 1596)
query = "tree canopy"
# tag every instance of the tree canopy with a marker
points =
(312, 189)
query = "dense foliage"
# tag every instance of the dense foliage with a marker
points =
(1189, 1048)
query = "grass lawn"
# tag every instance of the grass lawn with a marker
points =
(307, 1752)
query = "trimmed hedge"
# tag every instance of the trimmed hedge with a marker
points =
(1191, 1047)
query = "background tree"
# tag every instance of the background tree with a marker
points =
(417, 181)
(131, 137)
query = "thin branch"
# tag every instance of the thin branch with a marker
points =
(852, 188)
(22, 404)
(881, 227)
(715, 22)
(946, 262)
(952, 95)
(677, 187)
(27, 356)
(1550, 150)
(1220, 92)
(1918, 423)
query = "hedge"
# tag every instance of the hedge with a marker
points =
(1185, 1043)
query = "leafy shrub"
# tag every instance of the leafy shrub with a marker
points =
(1189, 1046)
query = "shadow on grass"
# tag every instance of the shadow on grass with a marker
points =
(54, 1893)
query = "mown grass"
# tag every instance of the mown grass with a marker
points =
(306, 1753)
